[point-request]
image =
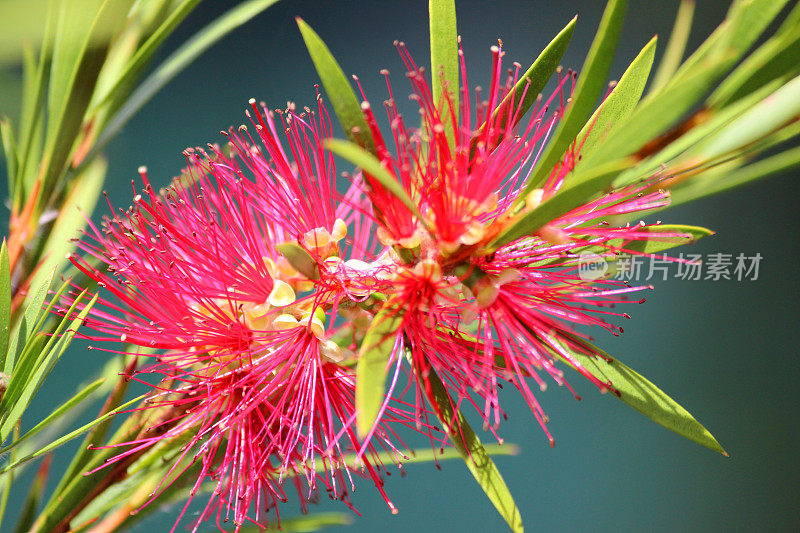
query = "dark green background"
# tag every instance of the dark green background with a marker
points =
(726, 350)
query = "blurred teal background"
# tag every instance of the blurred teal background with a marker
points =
(726, 350)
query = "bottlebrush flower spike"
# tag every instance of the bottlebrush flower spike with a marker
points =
(476, 314)
(255, 375)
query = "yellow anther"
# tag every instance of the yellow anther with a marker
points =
(282, 294)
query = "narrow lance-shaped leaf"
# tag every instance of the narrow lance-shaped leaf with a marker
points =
(10, 152)
(8, 482)
(723, 179)
(591, 82)
(639, 393)
(175, 63)
(775, 59)
(474, 454)
(73, 79)
(34, 95)
(145, 51)
(587, 185)
(78, 204)
(536, 77)
(21, 363)
(44, 363)
(692, 82)
(676, 45)
(69, 436)
(745, 21)
(113, 373)
(375, 353)
(370, 164)
(5, 304)
(620, 103)
(673, 153)
(26, 327)
(778, 109)
(659, 243)
(35, 491)
(344, 100)
(444, 57)
(55, 415)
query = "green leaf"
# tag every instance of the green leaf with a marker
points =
(444, 58)
(145, 51)
(10, 153)
(478, 462)
(69, 436)
(77, 60)
(34, 94)
(344, 100)
(77, 205)
(370, 164)
(584, 187)
(676, 45)
(99, 431)
(746, 20)
(302, 524)
(620, 103)
(53, 417)
(5, 304)
(654, 116)
(778, 109)
(28, 512)
(28, 382)
(71, 499)
(8, 482)
(26, 328)
(657, 244)
(21, 26)
(536, 77)
(692, 82)
(300, 259)
(375, 353)
(695, 233)
(642, 395)
(175, 63)
(722, 178)
(677, 154)
(775, 58)
(591, 82)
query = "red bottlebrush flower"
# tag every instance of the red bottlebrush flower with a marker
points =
(253, 383)
(480, 316)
